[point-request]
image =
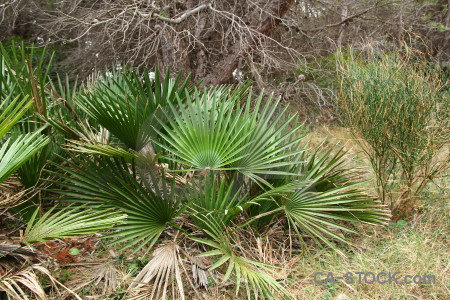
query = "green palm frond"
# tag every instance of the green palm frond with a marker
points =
(222, 201)
(30, 173)
(7, 84)
(274, 142)
(67, 117)
(102, 149)
(14, 154)
(68, 223)
(11, 112)
(320, 214)
(25, 73)
(150, 203)
(325, 198)
(204, 133)
(214, 132)
(127, 102)
(258, 278)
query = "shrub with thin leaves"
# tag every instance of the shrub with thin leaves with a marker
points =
(394, 104)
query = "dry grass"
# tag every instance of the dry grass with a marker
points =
(420, 246)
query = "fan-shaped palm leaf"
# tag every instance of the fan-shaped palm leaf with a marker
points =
(274, 142)
(324, 197)
(14, 285)
(150, 203)
(214, 132)
(162, 269)
(126, 103)
(205, 133)
(15, 153)
(68, 223)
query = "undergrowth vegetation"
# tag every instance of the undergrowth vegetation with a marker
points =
(397, 108)
(408, 248)
(213, 189)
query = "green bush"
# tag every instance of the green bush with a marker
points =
(394, 105)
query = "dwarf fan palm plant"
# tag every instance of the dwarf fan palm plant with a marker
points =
(246, 163)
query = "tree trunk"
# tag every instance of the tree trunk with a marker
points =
(225, 68)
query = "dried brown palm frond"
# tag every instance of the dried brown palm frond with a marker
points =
(199, 267)
(25, 284)
(18, 278)
(14, 285)
(12, 193)
(200, 271)
(57, 286)
(10, 201)
(13, 256)
(103, 278)
(161, 269)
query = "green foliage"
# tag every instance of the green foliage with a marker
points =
(214, 132)
(325, 196)
(11, 112)
(25, 74)
(107, 182)
(206, 134)
(219, 200)
(232, 149)
(30, 172)
(257, 277)
(14, 154)
(126, 103)
(394, 103)
(24, 71)
(68, 223)
(160, 163)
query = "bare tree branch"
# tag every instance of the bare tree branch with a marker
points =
(230, 62)
(183, 17)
